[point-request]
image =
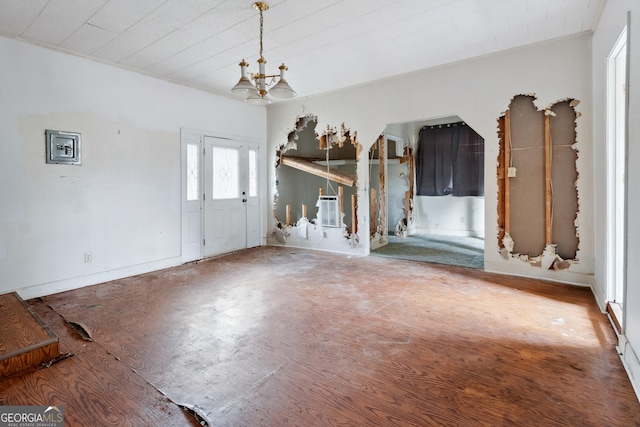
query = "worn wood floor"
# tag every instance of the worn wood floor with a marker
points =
(278, 336)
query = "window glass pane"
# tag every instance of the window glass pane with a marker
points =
(253, 173)
(225, 173)
(192, 172)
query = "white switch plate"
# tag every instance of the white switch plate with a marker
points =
(88, 257)
(511, 172)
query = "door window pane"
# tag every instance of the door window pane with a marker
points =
(193, 165)
(225, 173)
(253, 173)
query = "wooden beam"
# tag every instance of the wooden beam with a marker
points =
(412, 165)
(408, 154)
(358, 148)
(507, 160)
(304, 211)
(373, 208)
(288, 220)
(547, 176)
(322, 142)
(383, 186)
(308, 166)
(354, 217)
(341, 199)
(407, 206)
(412, 173)
(321, 191)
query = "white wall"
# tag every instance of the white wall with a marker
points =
(448, 215)
(123, 203)
(612, 21)
(479, 91)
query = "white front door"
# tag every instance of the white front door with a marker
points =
(231, 209)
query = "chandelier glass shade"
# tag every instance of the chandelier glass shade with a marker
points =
(253, 87)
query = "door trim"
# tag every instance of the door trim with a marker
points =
(233, 139)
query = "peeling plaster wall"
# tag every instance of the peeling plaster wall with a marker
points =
(528, 192)
(123, 204)
(296, 187)
(477, 90)
(612, 21)
(300, 182)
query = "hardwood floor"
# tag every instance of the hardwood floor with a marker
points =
(94, 388)
(279, 336)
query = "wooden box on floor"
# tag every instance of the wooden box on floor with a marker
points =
(25, 341)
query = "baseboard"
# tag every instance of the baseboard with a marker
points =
(599, 294)
(36, 291)
(630, 362)
(440, 232)
(567, 277)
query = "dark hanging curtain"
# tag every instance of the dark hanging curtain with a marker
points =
(450, 160)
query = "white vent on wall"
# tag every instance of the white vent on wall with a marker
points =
(329, 211)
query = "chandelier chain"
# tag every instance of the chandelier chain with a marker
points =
(261, 24)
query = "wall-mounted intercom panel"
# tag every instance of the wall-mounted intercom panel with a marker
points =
(63, 147)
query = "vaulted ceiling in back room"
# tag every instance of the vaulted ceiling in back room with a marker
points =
(327, 44)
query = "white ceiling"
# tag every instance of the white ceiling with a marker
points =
(327, 44)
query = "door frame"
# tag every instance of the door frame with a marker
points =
(261, 188)
(617, 145)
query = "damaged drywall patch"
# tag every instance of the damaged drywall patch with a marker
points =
(316, 184)
(537, 183)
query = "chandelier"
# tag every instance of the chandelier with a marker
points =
(257, 93)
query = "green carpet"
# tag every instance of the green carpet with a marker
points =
(451, 250)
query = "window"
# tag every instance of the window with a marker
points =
(225, 173)
(193, 165)
(253, 173)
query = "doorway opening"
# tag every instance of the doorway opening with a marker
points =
(445, 228)
(315, 204)
(616, 146)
